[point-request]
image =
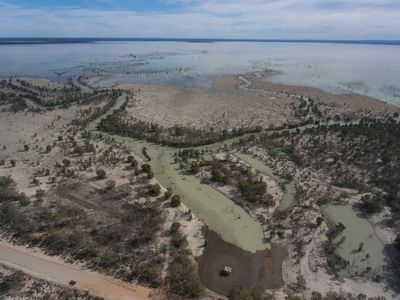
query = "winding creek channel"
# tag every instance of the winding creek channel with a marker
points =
(217, 211)
(232, 222)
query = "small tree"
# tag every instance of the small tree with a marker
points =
(238, 292)
(131, 178)
(35, 182)
(110, 185)
(23, 199)
(40, 194)
(194, 167)
(372, 204)
(101, 174)
(146, 168)
(397, 242)
(11, 281)
(174, 227)
(153, 190)
(134, 164)
(48, 149)
(66, 162)
(26, 147)
(301, 282)
(168, 194)
(319, 221)
(175, 201)
(12, 163)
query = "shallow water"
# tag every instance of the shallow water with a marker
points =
(216, 210)
(358, 230)
(289, 189)
(373, 70)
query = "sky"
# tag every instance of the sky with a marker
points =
(260, 19)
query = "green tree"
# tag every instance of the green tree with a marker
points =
(11, 281)
(110, 185)
(372, 203)
(301, 282)
(66, 162)
(194, 167)
(168, 193)
(397, 242)
(240, 293)
(101, 174)
(48, 149)
(153, 190)
(175, 201)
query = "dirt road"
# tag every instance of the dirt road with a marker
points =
(54, 270)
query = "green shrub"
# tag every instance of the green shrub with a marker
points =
(101, 174)
(175, 201)
(240, 293)
(372, 204)
(154, 190)
(8, 190)
(168, 194)
(23, 200)
(11, 281)
(110, 184)
(184, 280)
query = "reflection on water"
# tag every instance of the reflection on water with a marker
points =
(369, 69)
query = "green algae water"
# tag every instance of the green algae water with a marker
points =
(370, 261)
(92, 126)
(217, 211)
(289, 189)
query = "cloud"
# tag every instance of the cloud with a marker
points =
(296, 19)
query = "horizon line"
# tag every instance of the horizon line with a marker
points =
(70, 40)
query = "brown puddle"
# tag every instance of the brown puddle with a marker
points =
(262, 269)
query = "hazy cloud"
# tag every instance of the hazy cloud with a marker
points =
(331, 19)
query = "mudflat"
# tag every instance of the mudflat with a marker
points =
(262, 269)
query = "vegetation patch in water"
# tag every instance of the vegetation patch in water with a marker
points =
(356, 243)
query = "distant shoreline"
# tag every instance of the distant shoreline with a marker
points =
(46, 41)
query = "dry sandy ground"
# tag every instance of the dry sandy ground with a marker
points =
(29, 287)
(52, 269)
(38, 130)
(42, 129)
(223, 107)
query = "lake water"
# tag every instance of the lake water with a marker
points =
(368, 69)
